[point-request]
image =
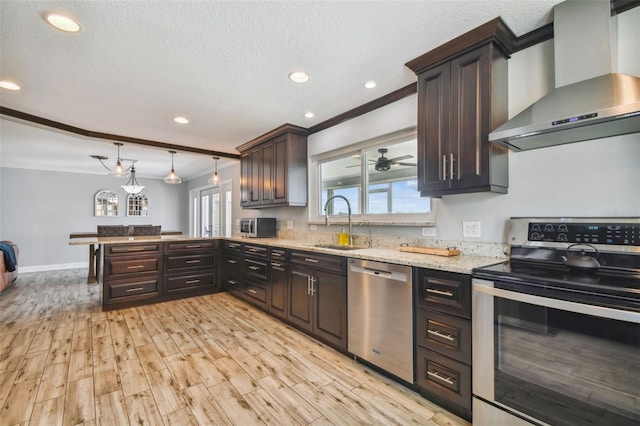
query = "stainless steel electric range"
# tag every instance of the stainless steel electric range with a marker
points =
(556, 329)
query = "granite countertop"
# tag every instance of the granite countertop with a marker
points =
(462, 264)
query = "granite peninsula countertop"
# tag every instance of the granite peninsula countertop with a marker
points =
(462, 264)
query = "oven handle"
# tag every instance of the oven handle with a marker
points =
(482, 286)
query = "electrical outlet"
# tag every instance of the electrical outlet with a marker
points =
(471, 229)
(289, 224)
(429, 231)
(237, 222)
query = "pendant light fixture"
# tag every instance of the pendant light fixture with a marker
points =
(132, 186)
(118, 170)
(172, 178)
(215, 179)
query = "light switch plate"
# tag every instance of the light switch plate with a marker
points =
(471, 229)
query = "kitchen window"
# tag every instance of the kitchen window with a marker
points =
(378, 177)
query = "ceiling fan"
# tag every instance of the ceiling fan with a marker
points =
(383, 164)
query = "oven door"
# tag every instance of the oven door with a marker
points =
(552, 361)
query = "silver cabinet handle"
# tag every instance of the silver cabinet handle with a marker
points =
(451, 174)
(193, 281)
(192, 261)
(313, 286)
(442, 335)
(440, 377)
(135, 267)
(311, 260)
(232, 282)
(444, 167)
(131, 290)
(231, 261)
(252, 291)
(308, 285)
(194, 246)
(440, 292)
(276, 264)
(253, 268)
(136, 249)
(233, 245)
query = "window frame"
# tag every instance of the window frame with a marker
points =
(360, 148)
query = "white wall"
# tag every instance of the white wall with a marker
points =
(592, 178)
(39, 209)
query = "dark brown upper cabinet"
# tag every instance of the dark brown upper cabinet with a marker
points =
(462, 97)
(273, 169)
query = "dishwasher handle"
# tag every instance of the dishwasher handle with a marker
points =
(396, 276)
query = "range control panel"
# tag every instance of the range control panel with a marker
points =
(623, 234)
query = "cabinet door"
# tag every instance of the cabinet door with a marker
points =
(266, 175)
(279, 287)
(245, 178)
(470, 118)
(280, 168)
(433, 129)
(300, 307)
(255, 164)
(330, 298)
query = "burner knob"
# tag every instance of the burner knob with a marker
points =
(562, 237)
(563, 228)
(548, 228)
(535, 236)
(535, 227)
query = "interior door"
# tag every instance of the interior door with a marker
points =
(210, 212)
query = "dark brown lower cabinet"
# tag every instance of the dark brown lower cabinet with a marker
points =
(139, 273)
(279, 272)
(443, 338)
(318, 298)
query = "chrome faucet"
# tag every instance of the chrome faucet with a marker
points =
(326, 214)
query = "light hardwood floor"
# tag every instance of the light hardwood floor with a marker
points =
(203, 360)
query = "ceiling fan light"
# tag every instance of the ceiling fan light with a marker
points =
(118, 170)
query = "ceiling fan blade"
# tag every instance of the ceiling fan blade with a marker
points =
(405, 164)
(402, 157)
(354, 165)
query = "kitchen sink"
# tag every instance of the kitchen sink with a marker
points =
(338, 246)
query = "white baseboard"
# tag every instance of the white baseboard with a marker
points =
(57, 267)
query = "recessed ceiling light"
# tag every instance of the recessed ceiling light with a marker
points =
(181, 120)
(370, 84)
(9, 85)
(308, 114)
(62, 22)
(299, 76)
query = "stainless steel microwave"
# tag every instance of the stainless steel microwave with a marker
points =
(258, 227)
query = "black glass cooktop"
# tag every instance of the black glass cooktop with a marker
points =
(611, 285)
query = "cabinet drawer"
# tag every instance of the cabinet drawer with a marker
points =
(445, 292)
(189, 281)
(256, 268)
(446, 381)
(256, 292)
(131, 288)
(233, 246)
(132, 266)
(320, 261)
(129, 249)
(446, 334)
(204, 260)
(278, 254)
(254, 250)
(190, 246)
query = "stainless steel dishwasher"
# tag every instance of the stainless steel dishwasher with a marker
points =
(380, 315)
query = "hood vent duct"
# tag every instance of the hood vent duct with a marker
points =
(589, 101)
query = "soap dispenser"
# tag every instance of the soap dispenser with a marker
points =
(343, 238)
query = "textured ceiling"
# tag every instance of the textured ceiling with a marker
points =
(224, 65)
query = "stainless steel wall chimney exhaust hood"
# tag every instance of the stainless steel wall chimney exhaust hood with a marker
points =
(589, 101)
